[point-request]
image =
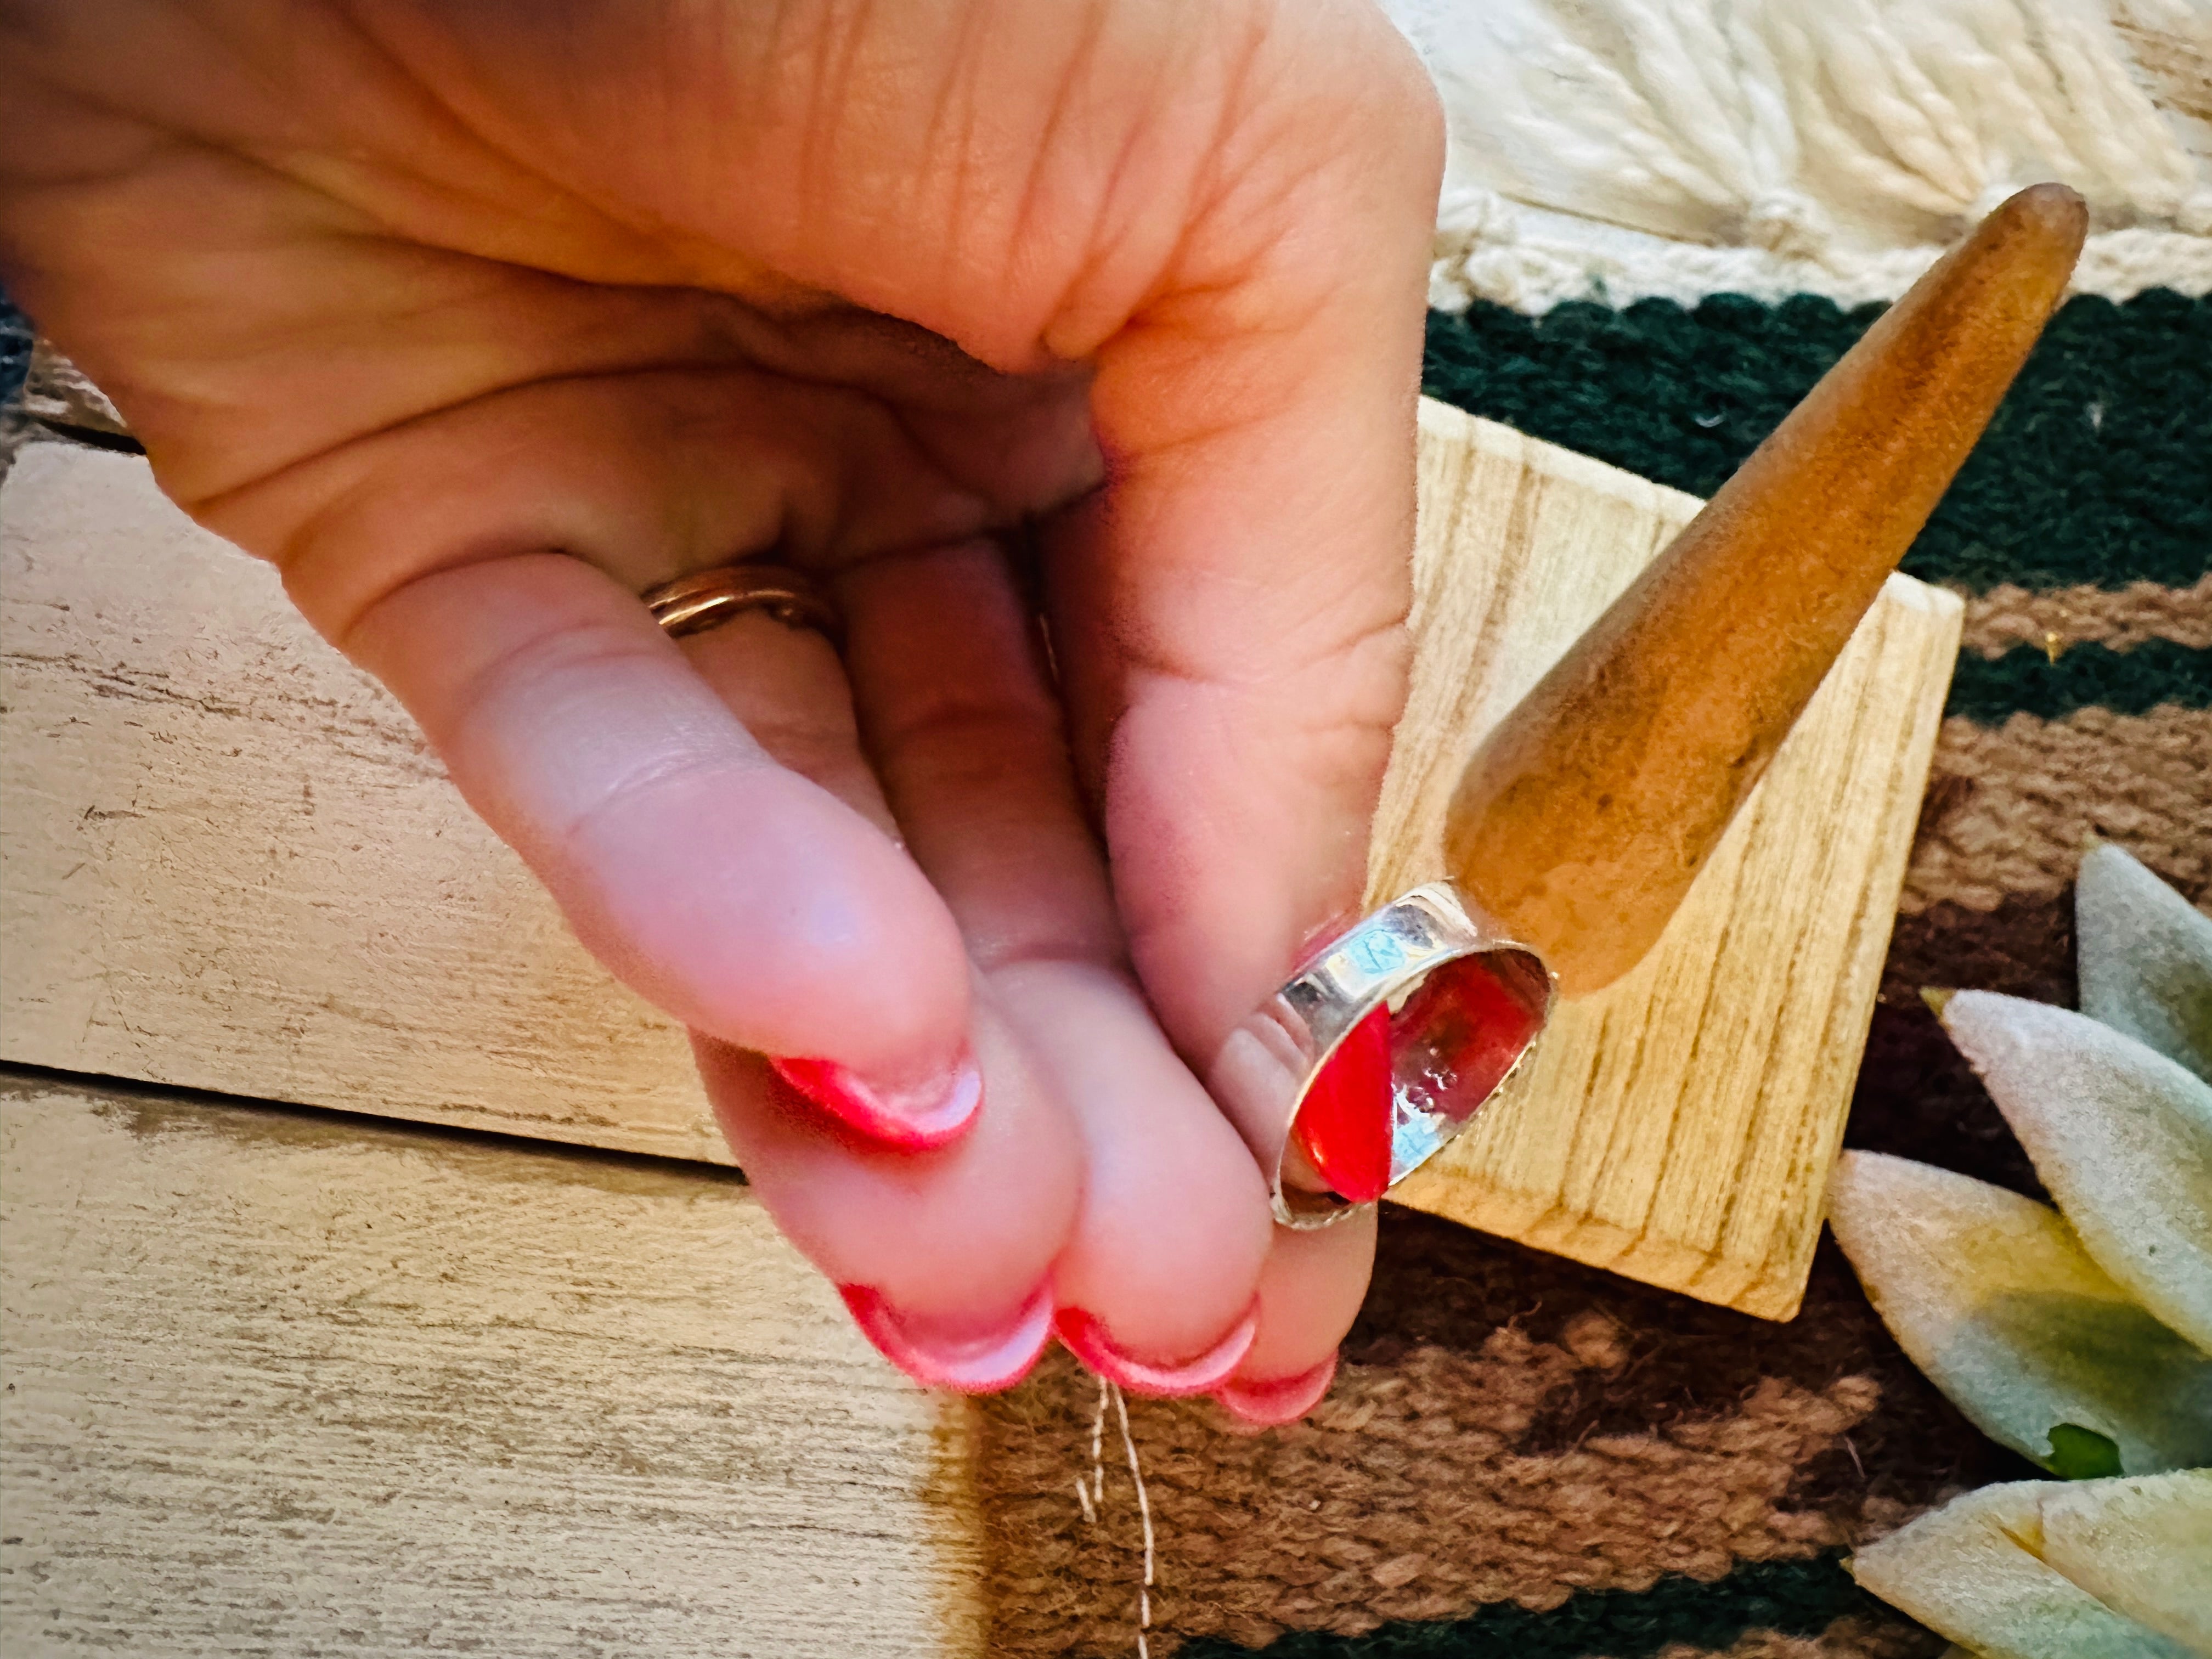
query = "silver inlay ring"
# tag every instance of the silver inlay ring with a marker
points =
(1426, 1011)
(708, 599)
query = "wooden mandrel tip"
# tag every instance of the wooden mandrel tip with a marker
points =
(1582, 820)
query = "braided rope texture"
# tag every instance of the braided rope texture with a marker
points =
(1523, 1455)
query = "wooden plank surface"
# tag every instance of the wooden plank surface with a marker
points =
(230, 864)
(1679, 1125)
(284, 1383)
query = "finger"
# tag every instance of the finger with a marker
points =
(744, 899)
(946, 1257)
(1156, 1284)
(1310, 1294)
(738, 896)
(943, 1256)
(1231, 610)
(787, 688)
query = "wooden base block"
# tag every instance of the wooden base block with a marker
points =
(228, 863)
(1678, 1126)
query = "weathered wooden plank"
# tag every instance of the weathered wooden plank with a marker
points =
(230, 863)
(1679, 1125)
(233, 866)
(284, 1384)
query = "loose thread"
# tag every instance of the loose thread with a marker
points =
(1145, 1515)
(1098, 1448)
(1092, 1497)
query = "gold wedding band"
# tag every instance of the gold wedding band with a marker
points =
(708, 599)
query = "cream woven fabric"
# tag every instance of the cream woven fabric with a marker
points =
(1621, 150)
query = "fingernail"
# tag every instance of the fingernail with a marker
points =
(1088, 1340)
(912, 1119)
(1285, 1400)
(1343, 1125)
(982, 1362)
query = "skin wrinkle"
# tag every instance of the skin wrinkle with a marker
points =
(217, 504)
(641, 265)
(1021, 513)
(960, 94)
(1236, 106)
(267, 157)
(832, 77)
(1092, 304)
(552, 627)
(509, 677)
(1147, 654)
(1079, 322)
(424, 99)
(991, 727)
(613, 210)
(151, 142)
(226, 504)
(213, 501)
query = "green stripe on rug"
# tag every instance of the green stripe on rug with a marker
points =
(2026, 681)
(1797, 1598)
(2097, 470)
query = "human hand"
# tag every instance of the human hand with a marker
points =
(479, 319)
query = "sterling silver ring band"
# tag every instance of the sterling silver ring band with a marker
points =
(1462, 1007)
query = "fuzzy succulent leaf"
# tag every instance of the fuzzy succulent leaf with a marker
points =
(2143, 1548)
(1992, 1297)
(1974, 1571)
(2121, 1135)
(2146, 958)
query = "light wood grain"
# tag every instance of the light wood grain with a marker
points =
(1679, 1125)
(229, 863)
(282, 1385)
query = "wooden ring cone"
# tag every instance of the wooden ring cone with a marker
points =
(1580, 823)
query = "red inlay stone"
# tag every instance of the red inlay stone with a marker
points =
(1344, 1127)
(1460, 1030)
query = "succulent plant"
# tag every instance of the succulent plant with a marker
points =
(2080, 1336)
(2116, 1569)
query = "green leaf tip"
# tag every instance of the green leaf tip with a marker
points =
(2080, 1454)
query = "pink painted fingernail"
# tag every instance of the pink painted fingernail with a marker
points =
(912, 1119)
(1089, 1341)
(980, 1362)
(1271, 1405)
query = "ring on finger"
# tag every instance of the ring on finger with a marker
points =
(708, 599)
